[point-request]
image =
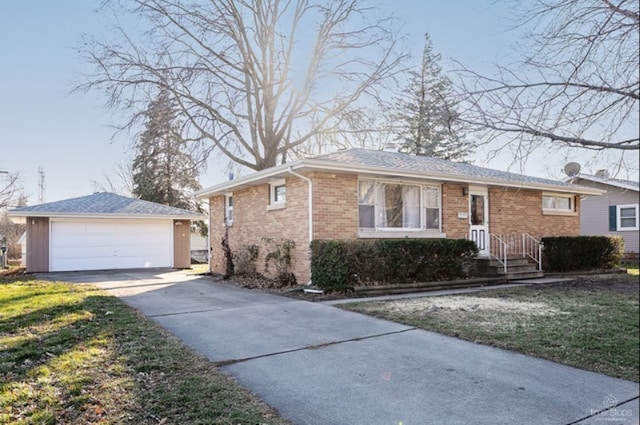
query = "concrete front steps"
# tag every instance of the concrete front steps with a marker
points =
(518, 268)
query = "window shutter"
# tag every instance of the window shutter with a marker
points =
(613, 220)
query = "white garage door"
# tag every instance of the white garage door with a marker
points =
(110, 244)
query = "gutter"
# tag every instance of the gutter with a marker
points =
(309, 202)
(313, 164)
(25, 214)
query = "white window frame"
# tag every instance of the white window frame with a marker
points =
(275, 203)
(395, 232)
(228, 208)
(560, 211)
(619, 226)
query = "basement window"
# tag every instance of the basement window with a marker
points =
(558, 204)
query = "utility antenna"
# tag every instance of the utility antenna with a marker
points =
(40, 185)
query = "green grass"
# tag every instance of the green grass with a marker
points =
(73, 354)
(593, 327)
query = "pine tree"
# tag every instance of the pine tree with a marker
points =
(427, 120)
(163, 169)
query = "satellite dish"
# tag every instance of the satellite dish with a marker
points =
(572, 169)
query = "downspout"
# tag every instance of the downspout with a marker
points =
(309, 202)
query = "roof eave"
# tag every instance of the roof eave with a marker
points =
(18, 214)
(320, 165)
(248, 180)
(619, 185)
(312, 165)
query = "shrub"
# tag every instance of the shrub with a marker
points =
(341, 265)
(245, 260)
(280, 255)
(582, 253)
(330, 265)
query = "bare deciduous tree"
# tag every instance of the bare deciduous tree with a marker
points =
(120, 183)
(253, 79)
(577, 87)
(10, 190)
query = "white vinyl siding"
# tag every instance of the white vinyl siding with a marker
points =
(595, 215)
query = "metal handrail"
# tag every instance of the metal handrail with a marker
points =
(525, 245)
(499, 250)
(532, 248)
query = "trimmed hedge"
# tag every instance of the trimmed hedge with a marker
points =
(338, 266)
(582, 253)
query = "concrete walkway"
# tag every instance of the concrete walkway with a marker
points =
(321, 365)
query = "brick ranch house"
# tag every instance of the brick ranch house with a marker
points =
(360, 193)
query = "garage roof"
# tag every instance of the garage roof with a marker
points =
(105, 205)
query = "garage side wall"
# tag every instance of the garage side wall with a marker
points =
(37, 244)
(181, 244)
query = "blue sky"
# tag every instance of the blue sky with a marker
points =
(70, 135)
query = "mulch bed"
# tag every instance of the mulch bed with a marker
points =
(618, 282)
(14, 271)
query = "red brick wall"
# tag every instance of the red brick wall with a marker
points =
(335, 206)
(335, 215)
(520, 211)
(453, 202)
(252, 222)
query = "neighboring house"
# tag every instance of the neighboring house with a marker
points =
(105, 231)
(199, 250)
(615, 213)
(360, 194)
(23, 249)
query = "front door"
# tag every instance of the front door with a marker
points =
(479, 219)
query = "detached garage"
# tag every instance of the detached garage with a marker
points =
(105, 231)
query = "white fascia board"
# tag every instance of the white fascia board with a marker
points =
(248, 180)
(106, 216)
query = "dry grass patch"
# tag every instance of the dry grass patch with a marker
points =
(592, 323)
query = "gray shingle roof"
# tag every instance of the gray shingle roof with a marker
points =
(105, 204)
(428, 165)
(384, 163)
(623, 184)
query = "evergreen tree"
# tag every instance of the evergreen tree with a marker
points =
(427, 122)
(163, 169)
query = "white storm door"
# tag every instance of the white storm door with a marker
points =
(479, 219)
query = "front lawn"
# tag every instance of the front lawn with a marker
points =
(592, 323)
(72, 354)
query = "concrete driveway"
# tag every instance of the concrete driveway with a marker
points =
(321, 365)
